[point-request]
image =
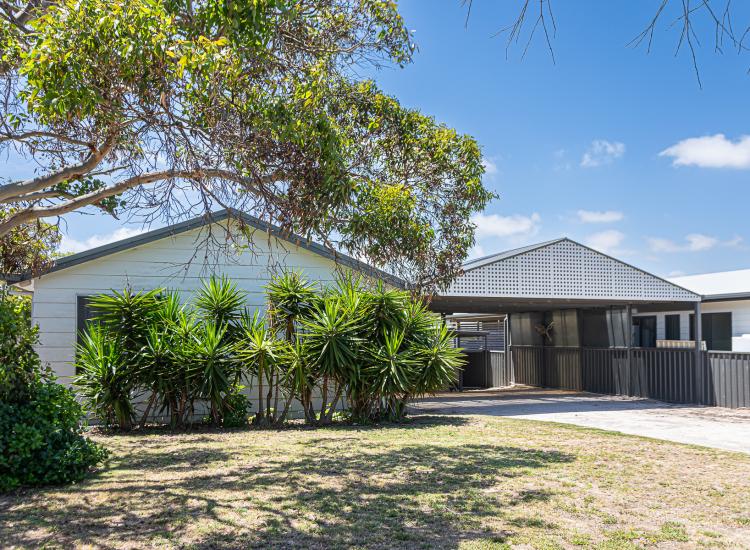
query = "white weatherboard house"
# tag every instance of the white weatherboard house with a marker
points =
(726, 310)
(174, 257)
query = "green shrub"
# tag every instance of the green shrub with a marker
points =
(41, 440)
(20, 367)
(377, 347)
(236, 409)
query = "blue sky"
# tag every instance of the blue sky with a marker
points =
(573, 148)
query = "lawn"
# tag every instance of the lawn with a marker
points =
(450, 482)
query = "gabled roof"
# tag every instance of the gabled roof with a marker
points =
(492, 258)
(721, 285)
(563, 269)
(214, 217)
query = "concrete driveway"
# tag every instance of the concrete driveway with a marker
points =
(709, 426)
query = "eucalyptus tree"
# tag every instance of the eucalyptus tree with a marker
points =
(168, 108)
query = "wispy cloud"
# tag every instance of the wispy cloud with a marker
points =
(490, 168)
(595, 216)
(602, 152)
(710, 152)
(494, 225)
(695, 242)
(606, 241)
(69, 244)
(562, 164)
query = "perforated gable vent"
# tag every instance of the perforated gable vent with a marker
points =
(563, 269)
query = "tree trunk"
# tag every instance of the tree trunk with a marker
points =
(332, 409)
(144, 418)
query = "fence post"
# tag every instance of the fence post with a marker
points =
(629, 343)
(701, 394)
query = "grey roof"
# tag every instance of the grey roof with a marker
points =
(213, 217)
(492, 258)
(472, 283)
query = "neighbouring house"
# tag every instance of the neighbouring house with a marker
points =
(568, 316)
(175, 257)
(725, 304)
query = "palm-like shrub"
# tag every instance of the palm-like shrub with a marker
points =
(377, 347)
(105, 379)
(290, 296)
(333, 332)
(220, 301)
(213, 367)
(260, 353)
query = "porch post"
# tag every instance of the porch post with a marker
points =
(508, 355)
(700, 390)
(629, 344)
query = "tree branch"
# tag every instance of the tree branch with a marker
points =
(40, 134)
(40, 183)
(36, 212)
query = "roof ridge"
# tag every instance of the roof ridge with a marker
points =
(205, 219)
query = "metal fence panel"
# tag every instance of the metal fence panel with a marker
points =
(528, 365)
(728, 379)
(658, 373)
(562, 368)
(500, 374)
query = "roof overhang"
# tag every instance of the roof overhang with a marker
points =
(504, 305)
(216, 217)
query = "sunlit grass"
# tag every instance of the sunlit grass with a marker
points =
(451, 482)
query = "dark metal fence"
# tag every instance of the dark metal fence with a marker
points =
(671, 375)
(486, 369)
(727, 379)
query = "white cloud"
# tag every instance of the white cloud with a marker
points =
(606, 241)
(695, 242)
(602, 152)
(593, 216)
(477, 251)
(710, 152)
(490, 168)
(69, 244)
(493, 225)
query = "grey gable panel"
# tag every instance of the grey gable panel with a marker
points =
(496, 273)
(195, 223)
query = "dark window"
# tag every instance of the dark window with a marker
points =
(672, 327)
(84, 315)
(644, 332)
(716, 330)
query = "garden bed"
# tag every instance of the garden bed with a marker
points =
(449, 482)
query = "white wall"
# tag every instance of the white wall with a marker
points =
(740, 310)
(174, 262)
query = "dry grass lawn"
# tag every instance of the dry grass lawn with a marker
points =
(447, 482)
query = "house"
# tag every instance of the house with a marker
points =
(726, 311)
(575, 318)
(174, 257)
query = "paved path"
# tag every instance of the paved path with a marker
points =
(709, 426)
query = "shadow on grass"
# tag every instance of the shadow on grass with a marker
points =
(330, 492)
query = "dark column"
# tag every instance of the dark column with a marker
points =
(628, 381)
(700, 380)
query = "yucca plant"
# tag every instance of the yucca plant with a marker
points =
(333, 335)
(290, 296)
(298, 378)
(439, 360)
(127, 314)
(105, 379)
(259, 352)
(213, 366)
(220, 302)
(388, 307)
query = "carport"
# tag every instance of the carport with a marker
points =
(568, 324)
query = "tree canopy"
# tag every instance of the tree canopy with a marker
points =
(170, 108)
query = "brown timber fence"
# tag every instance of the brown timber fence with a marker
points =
(721, 379)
